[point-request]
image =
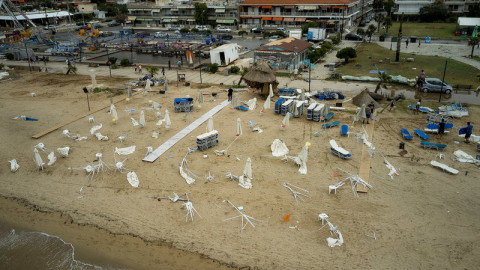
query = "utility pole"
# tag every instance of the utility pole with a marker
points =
(443, 80)
(68, 10)
(399, 41)
(200, 66)
(343, 21)
(28, 58)
(108, 62)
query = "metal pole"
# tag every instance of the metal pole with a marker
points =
(88, 102)
(443, 80)
(131, 53)
(108, 63)
(309, 75)
(28, 58)
(200, 61)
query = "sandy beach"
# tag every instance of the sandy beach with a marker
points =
(422, 219)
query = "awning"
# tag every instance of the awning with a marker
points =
(190, 20)
(174, 9)
(300, 19)
(132, 18)
(220, 10)
(145, 19)
(314, 7)
(266, 6)
(166, 20)
(173, 20)
(289, 19)
(289, 7)
(220, 21)
(266, 18)
(157, 19)
(229, 21)
(339, 7)
(277, 18)
(155, 10)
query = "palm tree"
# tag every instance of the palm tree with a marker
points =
(361, 32)
(473, 41)
(384, 78)
(244, 72)
(387, 23)
(152, 70)
(371, 29)
(379, 17)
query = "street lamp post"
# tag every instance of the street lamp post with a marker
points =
(443, 80)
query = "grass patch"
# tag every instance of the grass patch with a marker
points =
(283, 74)
(369, 54)
(433, 30)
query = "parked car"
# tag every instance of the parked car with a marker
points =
(221, 28)
(224, 36)
(80, 23)
(49, 27)
(160, 35)
(351, 36)
(273, 38)
(107, 20)
(97, 26)
(112, 24)
(86, 28)
(143, 34)
(202, 27)
(283, 30)
(434, 85)
(257, 30)
(174, 28)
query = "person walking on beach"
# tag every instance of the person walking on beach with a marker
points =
(372, 107)
(406, 42)
(169, 65)
(163, 71)
(421, 80)
(417, 108)
(230, 94)
(392, 105)
(468, 132)
(139, 68)
(441, 127)
(368, 113)
(419, 42)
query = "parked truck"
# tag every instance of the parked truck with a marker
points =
(295, 34)
(316, 34)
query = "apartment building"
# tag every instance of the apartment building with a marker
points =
(410, 7)
(331, 14)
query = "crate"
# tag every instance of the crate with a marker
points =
(207, 140)
(287, 107)
(299, 105)
(310, 109)
(183, 104)
(278, 105)
(286, 92)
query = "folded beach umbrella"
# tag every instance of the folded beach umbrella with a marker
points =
(165, 86)
(142, 119)
(239, 127)
(279, 149)
(286, 120)
(303, 156)
(245, 180)
(210, 124)
(38, 159)
(234, 101)
(302, 95)
(113, 111)
(168, 123)
(362, 113)
(270, 92)
(325, 109)
(147, 86)
(200, 97)
(266, 105)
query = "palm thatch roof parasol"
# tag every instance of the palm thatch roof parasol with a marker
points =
(260, 76)
(364, 98)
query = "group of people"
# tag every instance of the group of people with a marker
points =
(138, 68)
(369, 110)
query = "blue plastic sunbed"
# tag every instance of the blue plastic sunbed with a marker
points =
(436, 146)
(406, 135)
(421, 134)
(344, 130)
(329, 125)
(242, 108)
(329, 116)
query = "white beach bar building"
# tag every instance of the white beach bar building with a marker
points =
(224, 55)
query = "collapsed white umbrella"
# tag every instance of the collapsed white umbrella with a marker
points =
(200, 97)
(303, 156)
(210, 124)
(325, 109)
(362, 113)
(14, 165)
(168, 123)
(147, 86)
(113, 111)
(38, 159)
(266, 104)
(279, 148)
(165, 86)
(302, 94)
(239, 127)
(286, 120)
(270, 92)
(142, 119)
(234, 101)
(245, 180)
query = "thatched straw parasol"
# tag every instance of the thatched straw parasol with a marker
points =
(260, 76)
(364, 98)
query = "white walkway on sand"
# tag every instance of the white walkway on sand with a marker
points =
(184, 132)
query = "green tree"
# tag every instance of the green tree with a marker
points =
(473, 41)
(388, 6)
(201, 13)
(242, 32)
(244, 72)
(121, 18)
(384, 78)
(280, 34)
(387, 23)
(361, 32)
(186, 30)
(152, 70)
(347, 53)
(370, 30)
(377, 4)
(473, 10)
(379, 17)
(309, 25)
(437, 11)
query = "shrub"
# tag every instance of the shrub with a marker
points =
(234, 69)
(9, 56)
(114, 66)
(242, 32)
(125, 62)
(194, 30)
(185, 30)
(213, 68)
(112, 60)
(347, 53)
(327, 46)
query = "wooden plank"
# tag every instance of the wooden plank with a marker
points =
(45, 132)
(364, 171)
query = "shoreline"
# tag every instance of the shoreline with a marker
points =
(108, 250)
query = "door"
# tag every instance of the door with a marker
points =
(222, 58)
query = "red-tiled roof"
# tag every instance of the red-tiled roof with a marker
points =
(295, 2)
(286, 45)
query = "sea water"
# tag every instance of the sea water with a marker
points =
(36, 250)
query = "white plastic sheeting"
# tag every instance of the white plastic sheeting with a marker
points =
(95, 128)
(113, 111)
(279, 148)
(63, 151)
(165, 120)
(252, 104)
(461, 156)
(142, 119)
(239, 127)
(133, 179)
(38, 159)
(134, 122)
(101, 137)
(245, 180)
(14, 165)
(51, 159)
(125, 151)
